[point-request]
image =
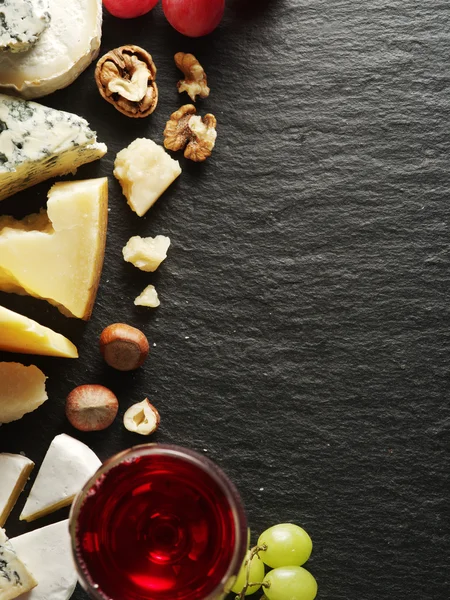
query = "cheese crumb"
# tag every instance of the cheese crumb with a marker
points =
(149, 297)
(146, 253)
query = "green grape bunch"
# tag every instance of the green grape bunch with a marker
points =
(284, 548)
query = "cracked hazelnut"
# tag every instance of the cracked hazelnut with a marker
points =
(187, 130)
(125, 78)
(195, 82)
(123, 347)
(142, 418)
(91, 407)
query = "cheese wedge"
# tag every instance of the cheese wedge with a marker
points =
(68, 45)
(20, 334)
(15, 579)
(47, 553)
(37, 143)
(14, 472)
(22, 23)
(58, 254)
(22, 390)
(67, 466)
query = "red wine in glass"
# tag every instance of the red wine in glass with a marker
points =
(158, 523)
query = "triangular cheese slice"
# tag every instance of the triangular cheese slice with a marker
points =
(20, 334)
(46, 552)
(14, 472)
(37, 142)
(15, 579)
(67, 466)
(58, 254)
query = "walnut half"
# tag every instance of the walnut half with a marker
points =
(195, 82)
(186, 130)
(125, 78)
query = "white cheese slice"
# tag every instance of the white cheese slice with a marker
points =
(58, 254)
(14, 472)
(21, 334)
(67, 466)
(21, 23)
(37, 142)
(64, 50)
(15, 579)
(144, 170)
(47, 553)
(22, 390)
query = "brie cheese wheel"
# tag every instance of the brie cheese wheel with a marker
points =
(22, 390)
(37, 142)
(144, 170)
(64, 50)
(14, 472)
(67, 466)
(15, 579)
(20, 334)
(47, 553)
(22, 23)
(58, 254)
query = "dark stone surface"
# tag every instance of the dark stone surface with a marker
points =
(302, 340)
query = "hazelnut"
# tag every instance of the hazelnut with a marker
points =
(91, 407)
(142, 418)
(123, 347)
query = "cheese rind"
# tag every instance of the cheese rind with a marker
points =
(67, 466)
(144, 170)
(58, 255)
(21, 334)
(22, 390)
(15, 579)
(37, 142)
(22, 23)
(47, 553)
(146, 253)
(64, 50)
(14, 472)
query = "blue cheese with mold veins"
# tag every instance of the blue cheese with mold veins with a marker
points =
(21, 23)
(15, 579)
(37, 142)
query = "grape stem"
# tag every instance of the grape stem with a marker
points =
(253, 552)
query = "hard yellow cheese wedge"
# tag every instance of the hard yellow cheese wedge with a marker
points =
(58, 254)
(20, 334)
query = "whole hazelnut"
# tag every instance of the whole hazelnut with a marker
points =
(123, 347)
(91, 407)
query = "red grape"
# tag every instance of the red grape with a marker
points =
(194, 18)
(128, 9)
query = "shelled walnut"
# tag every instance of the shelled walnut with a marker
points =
(187, 130)
(195, 82)
(125, 78)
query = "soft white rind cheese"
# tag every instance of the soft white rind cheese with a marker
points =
(144, 170)
(64, 50)
(22, 390)
(149, 298)
(47, 553)
(37, 142)
(67, 466)
(15, 579)
(146, 253)
(14, 472)
(21, 23)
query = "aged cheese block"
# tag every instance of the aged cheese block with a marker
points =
(58, 254)
(37, 143)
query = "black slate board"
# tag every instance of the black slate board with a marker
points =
(302, 340)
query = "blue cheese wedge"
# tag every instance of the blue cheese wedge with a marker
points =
(47, 553)
(15, 579)
(21, 23)
(14, 472)
(37, 142)
(67, 466)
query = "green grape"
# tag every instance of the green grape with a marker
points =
(290, 583)
(256, 575)
(287, 545)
